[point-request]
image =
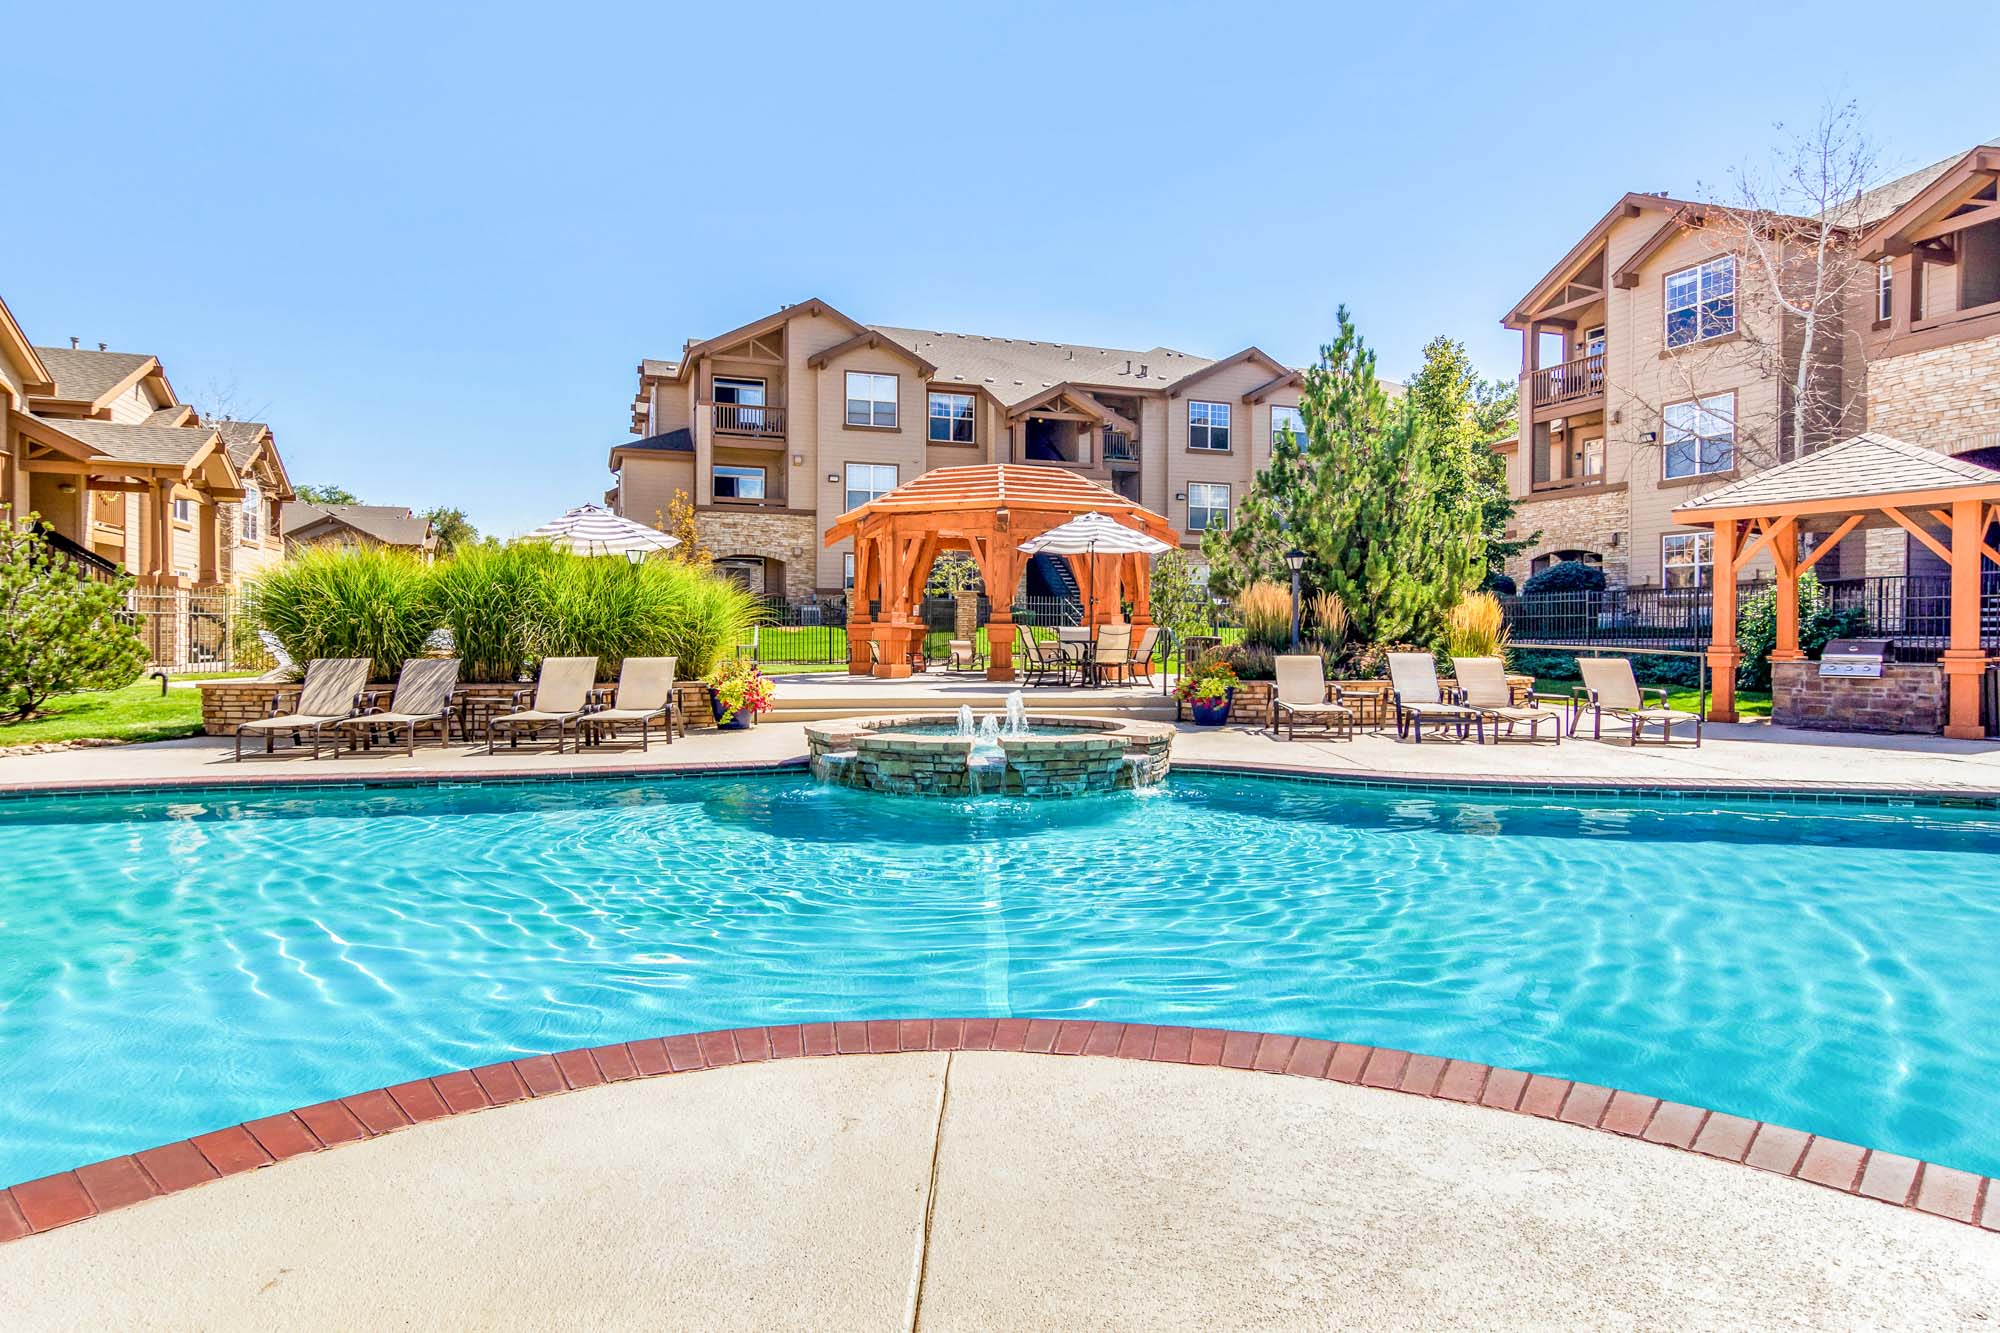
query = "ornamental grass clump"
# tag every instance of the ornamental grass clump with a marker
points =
(1476, 627)
(1265, 611)
(1328, 617)
(482, 594)
(706, 614)
(371, 602)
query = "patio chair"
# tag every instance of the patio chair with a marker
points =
(963, 656)
(422, 697)
(1140, 664)
(1417, 699)
(1301, 695)
(919, 664)
(1482, 685)
(1041, 657)
(558, 700)
(1610, 689)
(1110, 652)
(645, 691)
(330, 692)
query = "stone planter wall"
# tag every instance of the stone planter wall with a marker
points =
(228, 704)
(1090, 757)
(1907, 698)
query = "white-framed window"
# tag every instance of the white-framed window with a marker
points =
(1701, 301)
(1208, 505)
(951, 418)
(1885, 289)
(183, 511)
(253, 512)
(847, 572)
(1288, 419)
(736, 389)
(1699, 436)
(869, 481)
(739, 483)
(1593, 460)
(1593, 341)
(1208, 426)
(1687, 559)
(871, 399)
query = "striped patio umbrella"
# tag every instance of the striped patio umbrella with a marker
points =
(595, 530)
(1092, 535)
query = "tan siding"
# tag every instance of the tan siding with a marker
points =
(838, 445)
(1234, 468)
(647, 484)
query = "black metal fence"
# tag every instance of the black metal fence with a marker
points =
(1912, 609)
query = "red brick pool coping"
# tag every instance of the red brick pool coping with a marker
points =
(73, 1196)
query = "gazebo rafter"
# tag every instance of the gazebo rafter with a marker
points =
(986, 511)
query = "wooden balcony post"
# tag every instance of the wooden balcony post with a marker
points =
(1964, 660)
(1722, 652)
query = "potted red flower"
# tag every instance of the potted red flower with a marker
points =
(738, 692)
(1208, 693)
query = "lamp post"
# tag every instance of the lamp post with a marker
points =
(1295, 560)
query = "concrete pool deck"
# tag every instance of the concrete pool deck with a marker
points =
(981, 1189)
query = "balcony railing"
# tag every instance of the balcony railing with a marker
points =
(1120, 447)
(745, 419)
(1569, 382)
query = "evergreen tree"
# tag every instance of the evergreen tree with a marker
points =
(59, 633)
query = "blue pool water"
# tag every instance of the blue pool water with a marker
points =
(172, 964)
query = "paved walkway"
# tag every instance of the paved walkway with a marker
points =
(1756, 755)
(984, 1190)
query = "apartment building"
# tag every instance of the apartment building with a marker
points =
(97, 444)
(1637, 393)
(776, 428)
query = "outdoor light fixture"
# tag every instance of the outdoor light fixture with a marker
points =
(832, 479)
(1295, 560)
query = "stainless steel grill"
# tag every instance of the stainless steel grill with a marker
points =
(1854, 657)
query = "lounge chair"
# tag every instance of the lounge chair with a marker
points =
(1482, 685)
(1041, 657)
(1140, 665)
(558, 700)
(330, 692)
(1417, 699)
(645, 692)
(963, 656)
(422, 697)
(1302, 696)
(1611, 689)
(1109, 652)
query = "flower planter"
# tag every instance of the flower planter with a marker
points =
(1210, 712)
(740, 722)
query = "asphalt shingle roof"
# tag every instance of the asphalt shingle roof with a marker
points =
(393, 525)
(1861, 465)
(1016, 369)
(123, 443)
(240, 439)
(82, 376)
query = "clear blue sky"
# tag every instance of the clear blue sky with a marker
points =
(430, 250)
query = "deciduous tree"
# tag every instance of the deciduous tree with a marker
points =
(59, 633)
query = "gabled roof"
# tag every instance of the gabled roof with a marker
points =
(672, 442)
(870, 338)
(1860, 467)
(1014, 370)
(1247, 355)
(147, 445)
(775, 319)
(180, 414)
(93, 379)
(392, 525)
(245, 441)
(1924, 197)
(34, 372)
(1629, 206)
(987, 487)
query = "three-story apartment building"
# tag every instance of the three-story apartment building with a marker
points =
(776, 428)
(1637, 392)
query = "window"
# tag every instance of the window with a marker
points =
(1700, 436)
(1593, 342)
(739, 402)
(1288, 419)
(1685, 559)
(1701, 301)
(869, 481)
(1208, 426)
(253, 511)
(871, 399)
(847, 572)
(1885, 290)
(1593, 460)
(739, 483)
(1208, 505)
(183, 511)
(951, 418)
(750, 393)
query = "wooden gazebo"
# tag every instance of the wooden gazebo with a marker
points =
(988, 511)
(1869, 481)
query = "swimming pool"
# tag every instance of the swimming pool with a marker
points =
(173, 963)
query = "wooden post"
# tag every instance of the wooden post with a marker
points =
(1785, 555)
(1000, 571)
(1722, 653)
(208, 534)
(1964, 660)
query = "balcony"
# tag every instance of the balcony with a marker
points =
(1120, 447)
(1571, 382)
(757, 422)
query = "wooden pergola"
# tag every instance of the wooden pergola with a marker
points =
(1869, 481)
(987, 511)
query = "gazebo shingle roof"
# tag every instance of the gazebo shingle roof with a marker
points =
(995, 486)
(1863, 465)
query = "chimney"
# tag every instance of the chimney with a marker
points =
(74, 342)
(104, 347)
(1142, 370)
(1128, 364)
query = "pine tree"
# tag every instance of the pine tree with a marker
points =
(59, 633)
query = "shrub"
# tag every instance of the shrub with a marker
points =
(1476, 627)
(482, 596)
(373, 602)
(59, 633)
(1565, 576)
(705, 614)
(1250, 661)
(1265, 611)
(1372, 661)
(1544, 665)
(1179, 597)
(1502, 584)
(1819, 623)
(1329, 619)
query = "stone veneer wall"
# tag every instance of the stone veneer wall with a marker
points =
(228, 704)
(1945, 398)
(1908, 697)
(1586, 521)
(1090, 757)
(772, 534)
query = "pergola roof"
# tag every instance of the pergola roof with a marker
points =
(989, 488)
(1863, 470)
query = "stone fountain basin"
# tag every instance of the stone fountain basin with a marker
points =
(1066, 756)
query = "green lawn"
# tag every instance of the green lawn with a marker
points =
(1749, 703)
(136, 713)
